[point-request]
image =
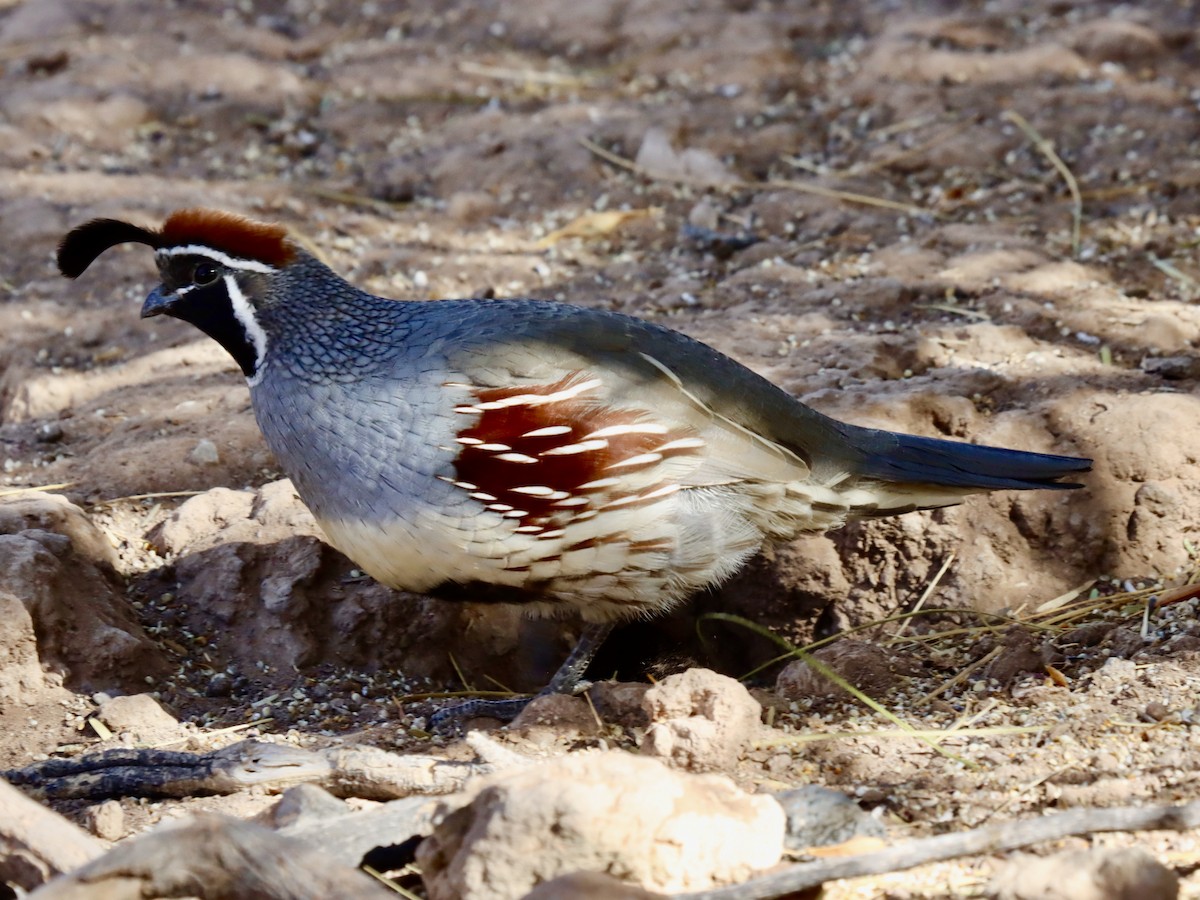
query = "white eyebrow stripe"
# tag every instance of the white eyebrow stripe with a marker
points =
(244, 313)
(233, 262)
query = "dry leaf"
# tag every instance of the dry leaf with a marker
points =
(858, 844)
(595, 224)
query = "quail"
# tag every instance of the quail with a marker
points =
(572, 460)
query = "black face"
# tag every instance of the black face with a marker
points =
(190, 272)
(200, 290)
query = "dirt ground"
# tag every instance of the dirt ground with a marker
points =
(962, 220)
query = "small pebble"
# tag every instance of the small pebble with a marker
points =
(220, 685)
(105, 820)
(1172, 368)
(1155, 711)
(204, 454)
(49, 433)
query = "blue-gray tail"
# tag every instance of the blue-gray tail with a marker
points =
(908, 459)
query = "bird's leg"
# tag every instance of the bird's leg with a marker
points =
(567, 680)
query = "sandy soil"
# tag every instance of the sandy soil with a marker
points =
(914, 266)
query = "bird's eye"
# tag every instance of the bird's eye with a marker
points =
(204, 273)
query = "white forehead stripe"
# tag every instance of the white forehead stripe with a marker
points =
(246, 265)
(244, 313)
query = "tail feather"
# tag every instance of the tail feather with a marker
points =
(908, 459)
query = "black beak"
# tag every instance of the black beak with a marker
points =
(158, 302)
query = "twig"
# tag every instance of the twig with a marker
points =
(995, 620)
(973, 314)
(960, 677)
(36, 490)
(154, 496)
(389, 884)
(609, 157)
(1021, 792)
(988, 839)
(457, 671)
(1171, 271)
(1046, 148)
(834, 678)
(1063, 599)
(529, 76)
(804, 187)
(387, 207)
(925, 595)
(929, 144)
(799, 186)
(924, 734)
(453, 695)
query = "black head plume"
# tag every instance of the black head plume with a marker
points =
(82, 245)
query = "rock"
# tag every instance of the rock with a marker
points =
(85, 628)
(196, 524)
(659, 159)
(599, 811)
(1119, 41)
(864, 665)
(1021, 653)
(37, 844)
(301, 806)
(705, 214)
(204, 454)
(55, 513)
(254, 564)
(34, 23)
(278, 510)
(1157, 513)
(700, 720)
(105, 820)
(221, 516)
(1099, 874)
(589, 886)
(817, 816)
(20, 671)
(398, 180)
(621, 702)
(560, 714)
(219, 685)
(141, 718)
(472, 207)
(49, 433)
(1172, 368)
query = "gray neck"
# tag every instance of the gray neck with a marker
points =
(320, 327)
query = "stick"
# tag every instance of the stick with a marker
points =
(988, 839)
(1046, 148)
(799, 186)
(36, 843)
(213, 858)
